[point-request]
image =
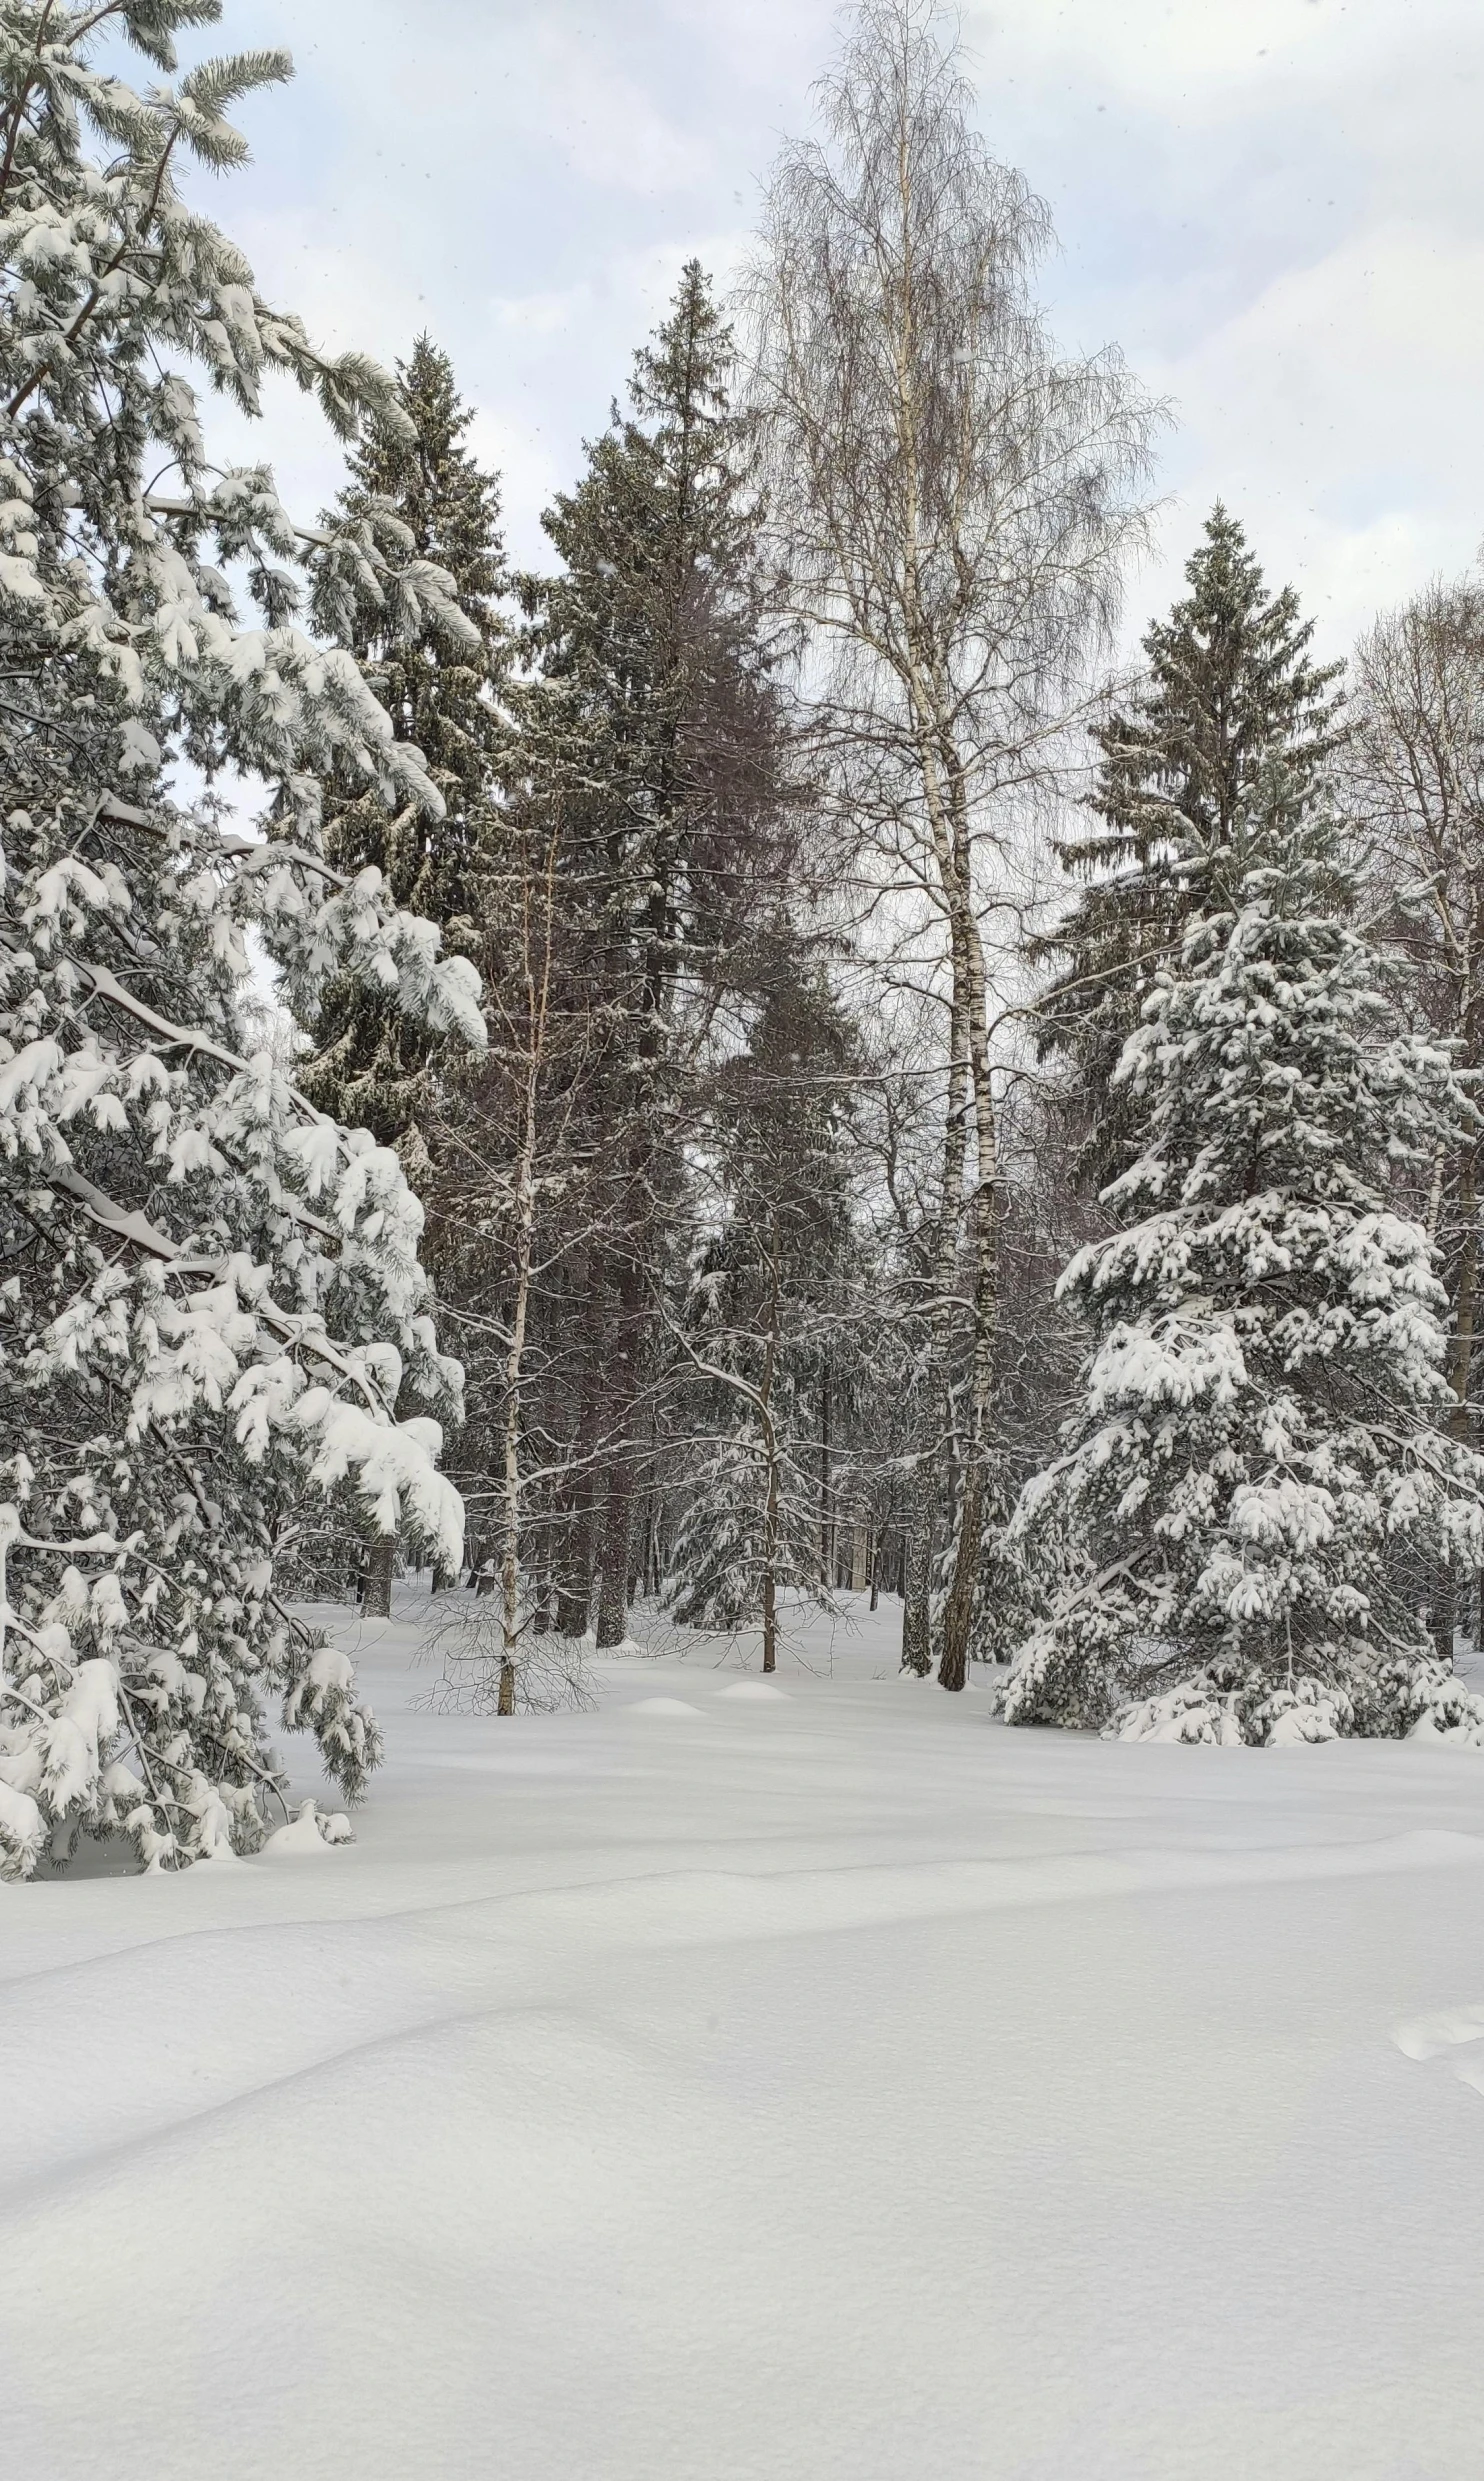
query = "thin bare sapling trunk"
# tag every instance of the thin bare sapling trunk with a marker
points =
(770, 1451)
(537, 978)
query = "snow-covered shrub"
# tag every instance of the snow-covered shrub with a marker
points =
(1261, 1467)
(210, 1297)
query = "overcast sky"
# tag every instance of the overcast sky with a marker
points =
(1275, 207)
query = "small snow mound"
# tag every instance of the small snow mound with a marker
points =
(663, 1705)
(1188, 1713)
(1446, 1709)
(757, 1692)
(308, 1833)
(1425, 2037)
(1304, 1725)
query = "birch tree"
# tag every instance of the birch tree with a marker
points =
(1414, 781)
(953, 501)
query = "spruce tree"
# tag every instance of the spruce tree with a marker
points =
(416, 484)
(656, 730)
(1260, 1472)
(1231, 687)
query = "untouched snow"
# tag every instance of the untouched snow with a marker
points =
(824, 2085)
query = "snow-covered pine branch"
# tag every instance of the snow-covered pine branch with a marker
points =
(210, 1298)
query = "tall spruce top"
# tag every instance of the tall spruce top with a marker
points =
(661, 492)
(1231, 684)
(415, 481)
(1231, 693)
(428, 481)
(656, 718)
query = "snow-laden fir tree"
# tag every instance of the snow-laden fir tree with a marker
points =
(1231, 686)
(210, 1298)
(749, 1526)
(748, 1533)
(1260, 1471)
(767, 1303)
(417, 484)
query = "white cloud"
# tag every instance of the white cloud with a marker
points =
(1337, 414)
(1277, 206)
(1206, 55)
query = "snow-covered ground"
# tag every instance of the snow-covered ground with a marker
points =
(722, 2085)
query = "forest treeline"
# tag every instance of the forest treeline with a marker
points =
(819, 863)
(795, 1067)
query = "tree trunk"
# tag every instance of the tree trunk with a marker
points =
(376, 1589)
(618, 1514)
(574, 1552)
(958, 1616)
(613, 1571)
(770, 1446)
(958, 1611)
(538, 995)
(917, 1585)
(826, 1524)
(917, 1573)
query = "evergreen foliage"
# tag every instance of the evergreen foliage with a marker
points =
(211, 1295)
(654, 735)
(1231, 689)
(726, 1544)
(417, 485)
(657, 729)
(1260, 1463)
(765, 1307)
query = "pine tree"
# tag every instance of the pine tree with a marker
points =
(417, 484)
(1231, 688)
(1260, 1470)
(211, 1293)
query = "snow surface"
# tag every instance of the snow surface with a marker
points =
(831, 2087)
